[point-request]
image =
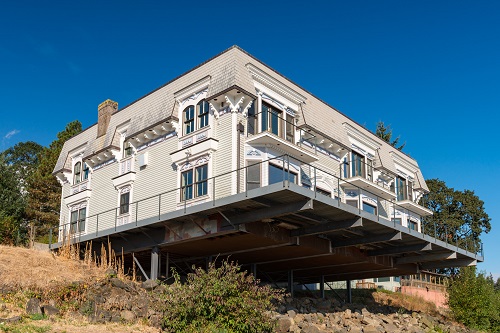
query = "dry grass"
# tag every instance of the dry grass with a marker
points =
(65, 326)
(33, 269)
(408, 302)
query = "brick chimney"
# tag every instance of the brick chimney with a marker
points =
(104, 112)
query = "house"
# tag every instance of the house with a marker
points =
(233, 159)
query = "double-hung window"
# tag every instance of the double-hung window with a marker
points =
(85, 175)
(271, 120)
(124, 203)
(77, 222)
(400, 188)
(278, 174)
(194, 182)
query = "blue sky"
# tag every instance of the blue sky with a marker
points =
(430, 69)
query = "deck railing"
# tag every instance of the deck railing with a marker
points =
(281, 169)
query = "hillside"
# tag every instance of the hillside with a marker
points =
(43, 292)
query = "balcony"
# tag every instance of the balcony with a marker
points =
(407, 199)
(360, 174)
(270, 129)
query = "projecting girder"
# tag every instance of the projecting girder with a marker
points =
(392, 236)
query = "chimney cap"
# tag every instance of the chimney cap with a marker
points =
(108, 102)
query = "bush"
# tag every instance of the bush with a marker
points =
(473, 300)
(221, 299)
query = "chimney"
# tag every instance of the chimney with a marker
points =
(104, 112)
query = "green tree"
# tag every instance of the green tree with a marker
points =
(17, 164)
(44, 190)
(385, 133)
(458, 216)
(473, 300)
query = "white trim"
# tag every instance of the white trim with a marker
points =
(193, 88)
(361, 137)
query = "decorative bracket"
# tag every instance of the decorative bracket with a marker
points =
(233, 105)
(245, 110)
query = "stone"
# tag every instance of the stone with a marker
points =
(284, 325)
(50, 310)
(33, 306)
(127, 315)
(110, 272)
(310, 329)
(426, 322)
(149, 285)
(116, 282)
(11, 320)
(370, 329)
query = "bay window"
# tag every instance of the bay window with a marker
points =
(194, 182)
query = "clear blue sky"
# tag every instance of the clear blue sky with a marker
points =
(431, 69)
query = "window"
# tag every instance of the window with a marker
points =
(369, 208)
(400, 188)
(77, 221)
(198, 188)
(203, 109)
(289, 128)
(124, 203)
(357, 165)
(85, 171)
(324, 192)
(251, 120)
(384, 279)
(277, 174)
(188, 116)
(253, 174)
(128, 151)
(397, 220)
(77, 173)
(412, 225)
(271, 120)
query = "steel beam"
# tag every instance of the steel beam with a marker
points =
(368, 240)
(449, 263)
(271, 212)
(327, 227)
(426, 258)
(400, 249)
(154, 263)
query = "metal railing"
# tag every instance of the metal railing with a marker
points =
(280, 169)
(359, 168)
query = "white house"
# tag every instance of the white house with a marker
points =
(232, 158)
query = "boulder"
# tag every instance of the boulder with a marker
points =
(33, 306)
(149, 284)
(50, 310)
(284, 324)
(127, 315)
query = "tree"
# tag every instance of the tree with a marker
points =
(458, 216)
(17, 164)
(385, 133)
(44, 190)
(473, 300)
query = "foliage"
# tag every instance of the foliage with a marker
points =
(221, 299)
(385, 133)
(45, 192)
(473, 300)
(459, 216)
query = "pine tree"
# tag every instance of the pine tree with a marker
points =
(385, 133)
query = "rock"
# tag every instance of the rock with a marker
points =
(127, 315)
(116, 282)
(149, 285)
(310, 329)
(370, 329)
(11, 320)
(291, 313)
(50, 310)
(33, 306)
(284, 325)
(110, 272)
(426, 322)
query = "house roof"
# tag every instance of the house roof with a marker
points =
(226, 70)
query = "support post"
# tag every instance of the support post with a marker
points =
(349, 291)
(167, 273)
(154, 263)
(322, 286)
(290, 283)
(253, 270)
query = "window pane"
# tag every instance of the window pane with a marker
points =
(78, 167)
(189, 119)
(203, 114)
(81, 220)
(277, 174)
(187, 185)
(264, 115)
(85, 171)
(253, 175)
(289, 128)
(275, 122)
(251, 120)
(201, 180)
(124, 203)
(369, 208)
(74, 219)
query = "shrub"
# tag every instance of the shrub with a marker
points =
(220, 299)
(473, 300)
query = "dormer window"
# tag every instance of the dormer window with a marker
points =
(77, 171)
(188, 115)
(128, 151)
(275, 122)
(86, 171)
(203, 109)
